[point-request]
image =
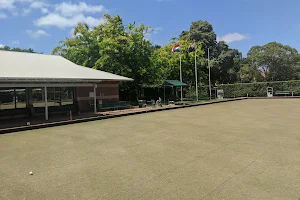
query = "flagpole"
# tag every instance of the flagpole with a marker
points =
(196, 73)
(209, 83)
(180, 77)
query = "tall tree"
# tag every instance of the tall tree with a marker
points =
(248, 73)
(277, 62)
(201, 31)
(224, 61)
(113, 47)
(167, 63)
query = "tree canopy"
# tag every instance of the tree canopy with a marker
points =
(125, 50)
(7, 48)
(277, 62)
(113, 47)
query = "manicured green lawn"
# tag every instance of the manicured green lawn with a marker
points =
(247, 149)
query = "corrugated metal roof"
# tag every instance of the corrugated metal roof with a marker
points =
(40, 67)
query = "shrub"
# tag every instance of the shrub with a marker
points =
(259, 89)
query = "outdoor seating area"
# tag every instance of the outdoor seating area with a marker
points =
(284, 93)
(174, 85)
(37, 84)
(121, 105)
(19, 117)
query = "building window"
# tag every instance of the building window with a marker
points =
(12, 98)
(55, 96)
(38, 97)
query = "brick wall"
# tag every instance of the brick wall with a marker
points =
(107, 92)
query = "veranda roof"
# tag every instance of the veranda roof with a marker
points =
(174, 83)
(28, 67)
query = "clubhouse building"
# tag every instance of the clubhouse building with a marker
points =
(37, 84)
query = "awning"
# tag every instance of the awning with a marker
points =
(174, 83)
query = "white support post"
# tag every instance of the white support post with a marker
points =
(165, 92)
(46, 104)
(95, 99)
(196, 75)
(181, 96)
(209, 82)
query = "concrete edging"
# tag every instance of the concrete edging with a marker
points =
(275, 97)
(76, 121)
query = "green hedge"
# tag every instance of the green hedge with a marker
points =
(259, 89)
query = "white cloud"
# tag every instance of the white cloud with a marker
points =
(54, 19)
(15, 13)
(38, 4)
(232, 37)
(157, 30)
(66, 15)
(2, 45)
(148, 36)
(27, 6)
(11, 4)
(25, 1)
(15, 42)
(72, 32)
(44, 10)
(26, 11)
(61, 15)
(37, 34)
(66, 9)
(69, 9)
(3, 16)
(7, 4)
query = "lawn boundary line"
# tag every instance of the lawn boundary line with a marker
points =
(89, 119)
(275, 97)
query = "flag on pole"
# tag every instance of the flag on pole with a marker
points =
(192, 48)
(176, 48)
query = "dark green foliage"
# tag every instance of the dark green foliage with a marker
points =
(125, 50)
(259, 89)
(278, 62)
(224, 60)
(7, 48)
(116, 48)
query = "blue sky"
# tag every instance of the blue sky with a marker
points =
(41, 24)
